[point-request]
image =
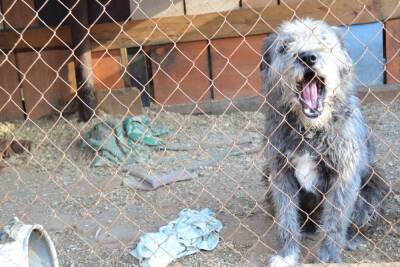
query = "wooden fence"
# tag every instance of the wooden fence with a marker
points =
(179, 52)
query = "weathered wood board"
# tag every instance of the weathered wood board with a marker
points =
(180, 74)
(19, 14)
(1, 18)
(156, 9)
(107, 70)
(45, 81)
(10, 98)
(124, 101)
(258, 3)
(392, 46)
(195, 7)
(235, 66)
(234, 23)
(255, 103)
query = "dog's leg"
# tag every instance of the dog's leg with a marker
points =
(338, 208)
(373, 192)
(285, 195)
(353, 237)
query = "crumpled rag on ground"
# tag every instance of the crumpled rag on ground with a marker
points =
(124, 143)
(191, 232)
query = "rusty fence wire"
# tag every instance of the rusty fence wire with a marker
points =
(83, 179)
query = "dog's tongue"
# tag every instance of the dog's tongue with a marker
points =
(310, 95)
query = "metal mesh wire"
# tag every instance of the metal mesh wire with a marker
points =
(94, 219)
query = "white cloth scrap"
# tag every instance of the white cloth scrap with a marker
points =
(191, 232)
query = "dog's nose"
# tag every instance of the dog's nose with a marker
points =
(308, 58)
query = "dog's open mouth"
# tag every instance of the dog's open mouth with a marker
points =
(311, 94)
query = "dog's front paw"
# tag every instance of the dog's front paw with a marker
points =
(355, 243)
(279, 261)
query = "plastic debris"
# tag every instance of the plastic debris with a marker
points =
(191, 232)
(26, 245)
(126, 143)
(147, 181)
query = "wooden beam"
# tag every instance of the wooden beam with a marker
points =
(387, 93)
(19, 14)
(36, 38)
(156, 9)
(216, 107)
(195, 7)
(215, 25)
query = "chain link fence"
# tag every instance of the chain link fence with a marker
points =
(97, 183)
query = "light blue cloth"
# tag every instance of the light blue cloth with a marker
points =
(191, 232)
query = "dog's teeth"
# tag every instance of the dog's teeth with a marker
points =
(308, 111)
(319, 105)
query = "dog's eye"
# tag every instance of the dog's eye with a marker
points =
(282, 49)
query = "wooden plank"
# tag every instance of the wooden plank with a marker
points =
(181, 73)
(107, 70)
(258, 3)
(1, 17)
(250, 103)
(71, 79)
(255, 103)
(124, 101)
(290, 2)
(19, 14)
(10, 98)
(36, 38)
(124, 56)
(386, 92)
(241, 22)
(392, 44)
(124, 64)
(156, 9)
(235, 66)
(44, 81)
(195, 7)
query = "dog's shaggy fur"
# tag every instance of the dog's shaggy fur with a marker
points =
(320, 152)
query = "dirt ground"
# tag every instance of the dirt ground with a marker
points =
(95, 221)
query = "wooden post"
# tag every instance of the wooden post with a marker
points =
(83, 59)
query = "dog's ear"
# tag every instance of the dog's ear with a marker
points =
(340, 33)
(267, 49)
(346, 65)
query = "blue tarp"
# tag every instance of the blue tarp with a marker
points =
(364, 42)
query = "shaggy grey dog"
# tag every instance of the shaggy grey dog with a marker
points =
(319, 149)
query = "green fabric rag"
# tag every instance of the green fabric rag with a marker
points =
(124, 144)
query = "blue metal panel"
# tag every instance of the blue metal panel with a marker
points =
(364, 42)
